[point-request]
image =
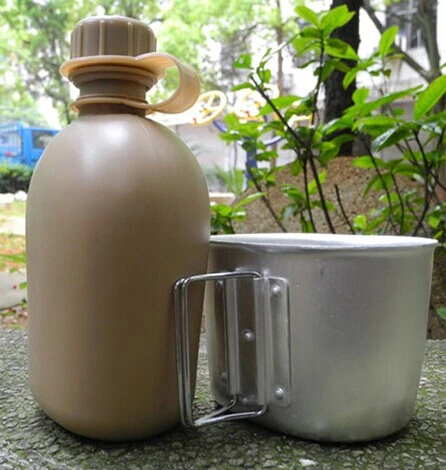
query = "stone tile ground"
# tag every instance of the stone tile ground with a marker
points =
(30, 440)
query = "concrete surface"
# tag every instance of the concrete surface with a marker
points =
(30, 440)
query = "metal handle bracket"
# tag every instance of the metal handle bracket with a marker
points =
(266, 378)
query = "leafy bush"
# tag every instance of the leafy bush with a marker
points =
(233, 179)
(373, 120)
(14, 178)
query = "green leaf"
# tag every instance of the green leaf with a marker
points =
(377, 183)
(330, 149)
(376, 222)
(434, 221)
(312, 186)
(340, 65)
(280, 103)
(329, 205)
(397, 112)
(392, 136)
(232, 120)
(387, 39)
(360, 95)
(311, 32)
(441, 311)
(293, 193)
(308, 15)
(15, 258)
(375, 125)
(384, 198)
(307, 226)
(296, 167)
(429, 97)
(288, 211)
(23, 285)
(405, 169)
(264, 75)
(304, 44)
(360, 222)
(248, 200)
(325, 71)
(243, 62)
(243, 86)
(367, 162)
(265, 156)
(340, 49)
(349, 77)
(337, 124)
(335, 18)
(366, 108)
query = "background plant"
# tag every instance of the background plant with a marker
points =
(233, 179)
(374, 120)
(14, 178)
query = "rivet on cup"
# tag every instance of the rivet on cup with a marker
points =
(248, 336)
(244, 400)
(219, 284)
(279, 392)
(276, 291)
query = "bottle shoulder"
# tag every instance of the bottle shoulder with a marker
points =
(117, 125)
(118, 141)
(114, 130)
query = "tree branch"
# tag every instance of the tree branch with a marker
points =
(266, 200)
(344, 214)
(307, 195)
(386, 190)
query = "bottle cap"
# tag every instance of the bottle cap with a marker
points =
(103, 41)
(108, 39)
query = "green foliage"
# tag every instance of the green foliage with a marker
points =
(223, 216)
(14, 178)
(429, 97)
(387, 40)
(442, 312)
(403, 208)
(34, 40)
(233, 179)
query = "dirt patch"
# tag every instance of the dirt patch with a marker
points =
(351, 182)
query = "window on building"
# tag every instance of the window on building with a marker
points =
(10, 143)
(404, 14)
(41, 139)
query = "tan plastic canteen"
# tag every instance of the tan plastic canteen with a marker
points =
(117, 211)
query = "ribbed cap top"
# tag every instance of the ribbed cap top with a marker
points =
(111, 35)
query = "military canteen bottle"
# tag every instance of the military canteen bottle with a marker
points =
(117, 211)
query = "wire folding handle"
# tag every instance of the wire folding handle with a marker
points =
(181, 291)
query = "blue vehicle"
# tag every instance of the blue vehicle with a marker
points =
(22, 144)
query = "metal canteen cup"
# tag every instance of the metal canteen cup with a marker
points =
(318, 336)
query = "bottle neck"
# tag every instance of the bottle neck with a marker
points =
(95, 109)
(112, 89)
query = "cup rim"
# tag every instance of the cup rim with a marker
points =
(323, 242)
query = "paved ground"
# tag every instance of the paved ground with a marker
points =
(30, 440)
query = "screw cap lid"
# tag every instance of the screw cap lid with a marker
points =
(104, 42)
(111, 35)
